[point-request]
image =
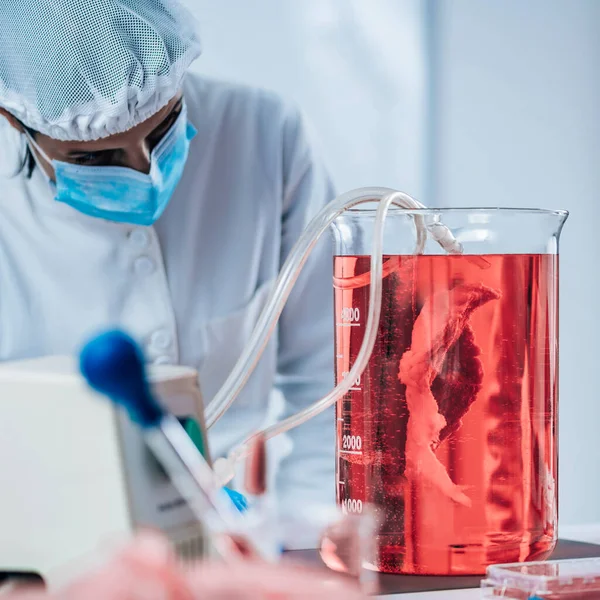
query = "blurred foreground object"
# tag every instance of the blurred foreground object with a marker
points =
(148, 570)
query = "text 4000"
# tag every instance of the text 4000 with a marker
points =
(352, 506)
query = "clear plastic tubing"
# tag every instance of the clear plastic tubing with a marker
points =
(225, 468)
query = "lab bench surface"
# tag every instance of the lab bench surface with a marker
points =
(412, 584)
(406, 587)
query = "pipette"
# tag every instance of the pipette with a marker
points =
(113, 365)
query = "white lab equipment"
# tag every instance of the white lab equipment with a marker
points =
(76, 472)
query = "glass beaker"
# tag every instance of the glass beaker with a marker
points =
(451, 430)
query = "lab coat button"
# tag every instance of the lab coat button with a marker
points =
(163, 360)
(160, 340)
(139, 238)
(144, 266)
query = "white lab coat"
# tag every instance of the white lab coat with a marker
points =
(191, 287)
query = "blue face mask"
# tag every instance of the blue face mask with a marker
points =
(122, 194)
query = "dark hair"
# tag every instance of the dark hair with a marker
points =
(28, 163)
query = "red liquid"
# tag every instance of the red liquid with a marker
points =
(451, 430)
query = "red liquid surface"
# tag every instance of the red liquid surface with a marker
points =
(451, 430)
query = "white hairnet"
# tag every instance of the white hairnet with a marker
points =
(84, 69)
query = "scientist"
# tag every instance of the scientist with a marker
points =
(136, 194)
